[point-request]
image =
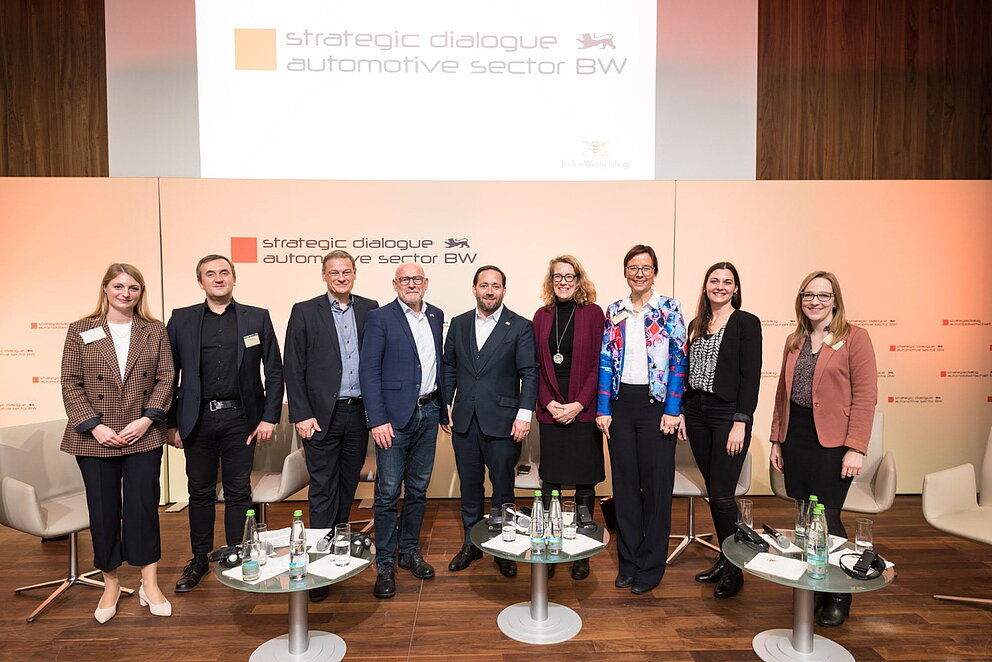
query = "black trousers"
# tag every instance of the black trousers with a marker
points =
(474, 453)
(708, 420)
(335, 464)
(643, 462)
(218, 439)
(122, 495)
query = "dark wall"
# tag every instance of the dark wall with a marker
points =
(847, 89)
(874, 89)
(53, 88)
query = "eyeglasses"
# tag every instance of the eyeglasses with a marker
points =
(822, 297)
(406, 280)
(633, 270)
(568, 278)
(347, 273)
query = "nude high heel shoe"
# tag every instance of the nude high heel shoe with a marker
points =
(160, 609)
(104, 614)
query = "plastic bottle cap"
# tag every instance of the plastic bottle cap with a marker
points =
(297, 513)
(250, 513)
(813, 497)
(537, 493)
(554, 493)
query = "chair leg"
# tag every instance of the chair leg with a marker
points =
(957, 598)
(72, 578)
(690, 535)
(263, 512)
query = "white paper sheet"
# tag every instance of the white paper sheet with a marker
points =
(276, 566)
(325, 566)
(778, 566)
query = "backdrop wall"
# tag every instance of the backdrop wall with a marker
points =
(907, 255)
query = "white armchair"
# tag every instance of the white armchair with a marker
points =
(949, 505)
(42, 494)
(689, 483)
(874, 489)
(279, 470)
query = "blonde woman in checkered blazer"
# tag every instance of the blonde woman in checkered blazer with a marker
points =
(117, 380)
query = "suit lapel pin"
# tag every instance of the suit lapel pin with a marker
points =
(506, 323)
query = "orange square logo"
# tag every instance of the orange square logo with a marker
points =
(947, 322)
(34, 325)
(891, 399)
(943, 373)
(892, 348)
(254, 49)
(244, 249)
(35, 380)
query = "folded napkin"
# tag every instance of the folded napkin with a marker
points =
(580, 544)
(778, 566)
(276, 566)
(516, 548)
(325, 567)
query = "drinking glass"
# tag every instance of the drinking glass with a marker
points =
(569, 522)
(744, 511)
(263, 543)
(863, 538)
(341, 548)
(801, 511)
(508, 526)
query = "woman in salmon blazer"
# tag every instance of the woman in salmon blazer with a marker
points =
(117, 386)
(824, 408)
(568, 331)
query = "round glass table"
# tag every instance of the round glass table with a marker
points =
(300, 644)
(538, 621)
(799, 643)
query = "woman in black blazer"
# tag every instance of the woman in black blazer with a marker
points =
(724, 375)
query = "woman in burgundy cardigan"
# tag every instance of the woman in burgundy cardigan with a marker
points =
(568, 331)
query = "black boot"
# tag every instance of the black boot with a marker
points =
(730, 583)
(584, 507)
(835, 611)
(714, 573)
(819, 597)
(580, 569)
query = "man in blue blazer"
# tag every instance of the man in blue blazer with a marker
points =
(221, 405)
(402, 381)
(490, 374)
(323, 339)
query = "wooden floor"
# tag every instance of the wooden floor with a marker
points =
(453, 616)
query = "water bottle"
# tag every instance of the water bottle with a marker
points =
(554, 533)
(298, 558)
(538, 542)
(249, 549)
(816, 545)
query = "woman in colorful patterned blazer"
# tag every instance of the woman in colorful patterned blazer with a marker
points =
(642, 369)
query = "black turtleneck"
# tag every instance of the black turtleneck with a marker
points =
(562, 312)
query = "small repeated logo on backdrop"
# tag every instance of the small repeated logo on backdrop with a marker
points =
(916, 348)
(915, 399)
(456, 242)
(964, 322)
(244, 249)
(980, 374)
(254, 49)
(589, 40)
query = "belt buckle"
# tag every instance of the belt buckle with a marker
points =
(213, 405)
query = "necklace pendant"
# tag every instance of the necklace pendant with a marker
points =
(558, 358)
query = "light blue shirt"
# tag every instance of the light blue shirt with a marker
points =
(347, 332)
(424, 338)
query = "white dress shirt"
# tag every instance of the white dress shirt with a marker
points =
(635, 346)
(484, 327)
(424, 337)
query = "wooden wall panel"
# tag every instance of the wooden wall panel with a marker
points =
(53, 88)
(874, 89)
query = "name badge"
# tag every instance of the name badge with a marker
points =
(92, 335)
(252, 340)
(621, 316)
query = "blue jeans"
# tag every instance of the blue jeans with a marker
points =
(408, 462)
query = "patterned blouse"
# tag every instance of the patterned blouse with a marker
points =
(802, 378)
(703, 354)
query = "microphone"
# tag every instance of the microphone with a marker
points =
(325, 543)
(779, 538)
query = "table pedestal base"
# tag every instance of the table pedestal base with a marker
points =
(776, 646)
(560, 625)
(323, 647)
(539, 621)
